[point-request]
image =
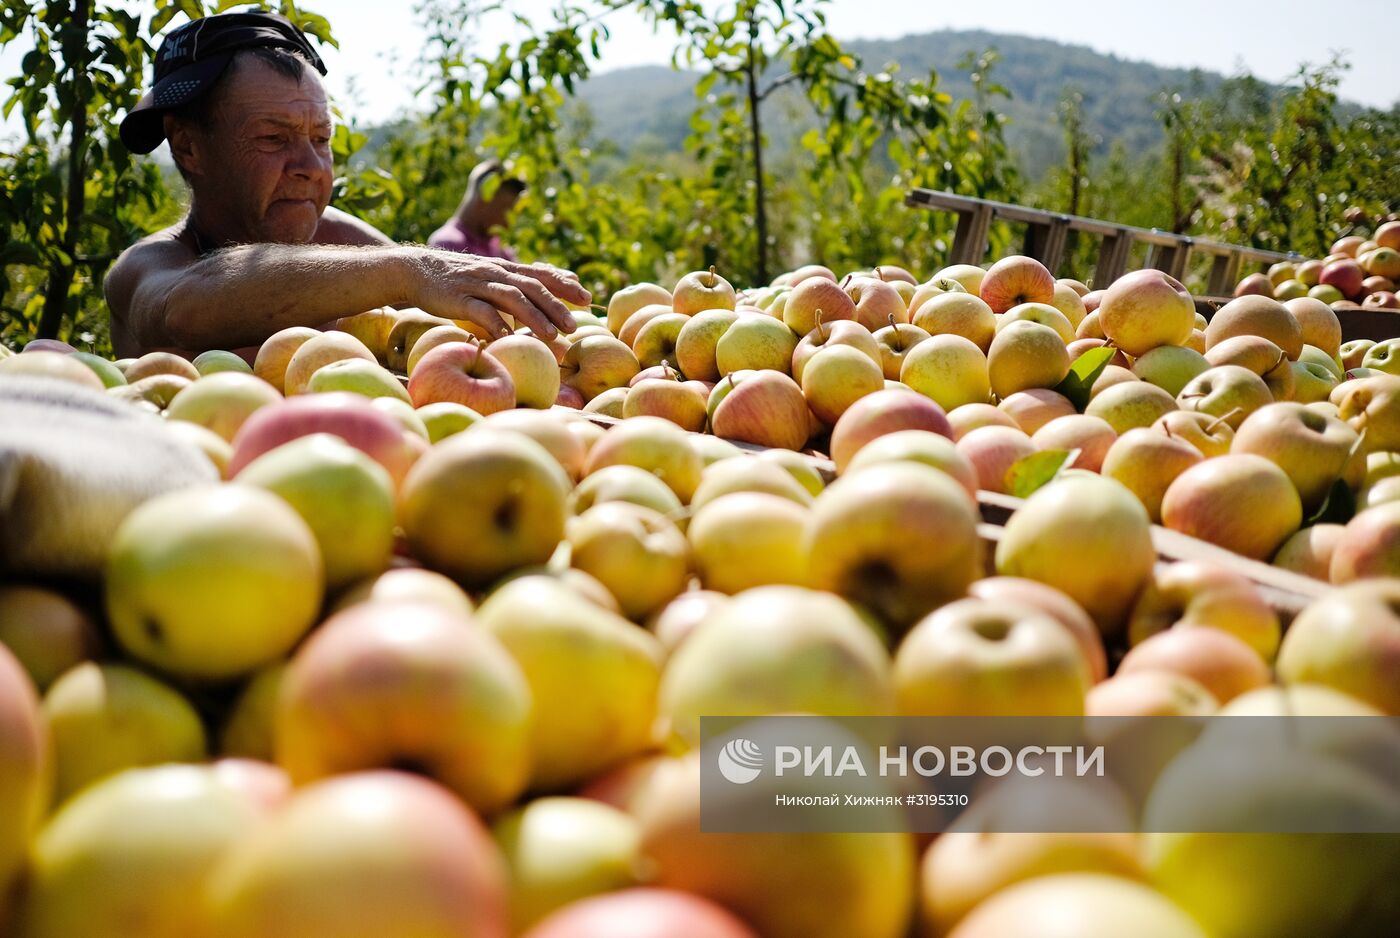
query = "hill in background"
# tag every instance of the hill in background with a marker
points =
(648, 108)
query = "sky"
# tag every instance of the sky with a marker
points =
(371, 75)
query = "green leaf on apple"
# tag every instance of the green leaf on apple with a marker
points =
(1083, 373)
(1030, 473)
(1337, 508)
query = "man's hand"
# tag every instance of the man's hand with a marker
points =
(479, 289)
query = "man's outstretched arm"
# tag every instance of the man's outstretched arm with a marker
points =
(167, 296)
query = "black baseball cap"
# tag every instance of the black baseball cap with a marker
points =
(191, 59)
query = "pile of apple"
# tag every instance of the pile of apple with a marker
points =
(430, 660)
(1359, 272)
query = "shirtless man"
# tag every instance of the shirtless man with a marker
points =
(240, 100)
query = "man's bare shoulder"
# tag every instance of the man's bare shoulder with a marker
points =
(165, 251)
(337, 227)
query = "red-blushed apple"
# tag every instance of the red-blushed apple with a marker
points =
(755, 655)
(1052, 602)
(881, 413)
(1034, 408)
(1191, 594)
(1211, 436)
(212, 582)
(1217, 660)
(968, 417)
(702, 290)
(316, 352)
(1014, 280)
(979, 658)
(1079, 287)
(463, 373)
(133, 855)
(873, 872)
(949, 369)
(1388, 235)
(1254, 285)
(813, 295)
(634, 324)
(992, 450)
(319, 866)
(48, 364)
(568, 397)
(595, 364)
(829, 335)
(46, 632)
(1241, 502)
(1319, 325)
(1150, 694)
(348, 416)
(1369, 546)
(103, 718)
(50, 345)
(670, 399)
(836, 377)
(642, 913)
(406, 584)
(898, 539)
(1069, 301)
(26, 774)
(1345, 275)
(1078, 905)
(482, 503)
(1312, 449)
(876, 301)
(628, 300)
(918, 446)
(1309, 551)
(1256, 315)
(637, 553)
(1349, 640)
(559, 850)
(762, 407)
(1026, 355)
(550, 430)
(964, 314)
(1113, 554)
(411, 686)
(345, 498)
(1130, 405)
(431, 339)
(593, 678)
(1229, 391)
(1147, 461)
(1092, 436)
(653, 444)
(168, 363)
(1385, 299)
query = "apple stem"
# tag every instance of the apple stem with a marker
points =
(714, 277)
(1223, 418)
(671, 373)
(821, 332)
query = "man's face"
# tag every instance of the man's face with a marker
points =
(265, 164)
(500, 205)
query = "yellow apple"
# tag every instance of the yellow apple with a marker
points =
(46, 632)
(639, 555)
(748, 539)
(317, 352)
(26, 774)
(108, 717)
(653, 444)
(949, 369)
(221, 402)
(276, 353)
(1025, 355)
(1078, 905)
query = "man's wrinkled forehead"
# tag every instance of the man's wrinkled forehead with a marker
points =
(258, 92)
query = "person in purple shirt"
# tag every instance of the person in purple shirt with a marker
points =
(485, 208)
